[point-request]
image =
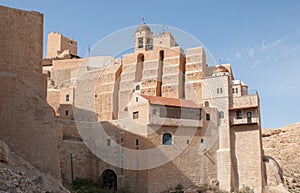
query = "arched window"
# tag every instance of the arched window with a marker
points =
(140, 42)
(139, 67)
(206, 104)
(221, 114)
(160, 72)
(137, 87)
(140, 58)
(167, 139)
(249, 117)
(161, 55)
(239, 115)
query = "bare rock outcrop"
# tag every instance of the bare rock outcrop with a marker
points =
(283, 145)
(19, 176)
(4, 152)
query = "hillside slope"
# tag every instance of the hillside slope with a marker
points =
(18, 175)
(283, 144)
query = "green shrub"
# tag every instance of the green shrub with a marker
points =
(203, 188)
(85, 186)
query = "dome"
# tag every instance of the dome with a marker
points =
(220, 69)
(143, 27)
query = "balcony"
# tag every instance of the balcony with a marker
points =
(157, 120)
(244, 121)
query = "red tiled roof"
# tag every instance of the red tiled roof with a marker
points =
(171, 102)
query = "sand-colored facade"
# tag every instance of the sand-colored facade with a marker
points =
(226, 146)
(159, 87)
(27, 123)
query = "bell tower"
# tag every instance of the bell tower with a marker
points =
(143, 37)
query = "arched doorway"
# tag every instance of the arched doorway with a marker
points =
(109, 179)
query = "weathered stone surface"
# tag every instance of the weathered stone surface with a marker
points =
(19, 176)
(4, 152)
(225, 146)
(283, 145)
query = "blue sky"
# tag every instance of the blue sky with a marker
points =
(260, 39)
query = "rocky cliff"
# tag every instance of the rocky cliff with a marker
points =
(283, 144)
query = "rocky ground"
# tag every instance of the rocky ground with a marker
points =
(283, 144)
(19, 176)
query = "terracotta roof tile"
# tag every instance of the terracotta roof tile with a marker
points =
(171, 102)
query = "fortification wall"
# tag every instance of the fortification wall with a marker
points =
(246, 156)
(27, 123)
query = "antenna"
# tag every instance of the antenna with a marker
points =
(89, 49)
(143, 20)
(163, 28)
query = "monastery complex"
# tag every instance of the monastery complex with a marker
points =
(169, 118)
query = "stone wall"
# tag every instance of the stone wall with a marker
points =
(84, 161)
(246, 156)
(26, 121)
(57, 44)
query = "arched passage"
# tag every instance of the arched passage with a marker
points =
(109, 179)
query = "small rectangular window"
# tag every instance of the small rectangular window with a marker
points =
(67, 112)
(136, 99)
(67, 97)
(236, 90)
(219, 90)
(208, 117)
(239, 115)
(137, 142)
(232, 90)
(202, 141)
(135, 115)
(108, 142)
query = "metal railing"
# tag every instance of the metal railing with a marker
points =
(235, 121)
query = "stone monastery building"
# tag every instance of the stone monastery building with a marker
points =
(143, 101)
(146, 122)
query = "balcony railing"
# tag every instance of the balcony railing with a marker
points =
(243, 121)
(157, 120)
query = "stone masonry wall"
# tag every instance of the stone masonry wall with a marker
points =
(27, 122)
(246, 156)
